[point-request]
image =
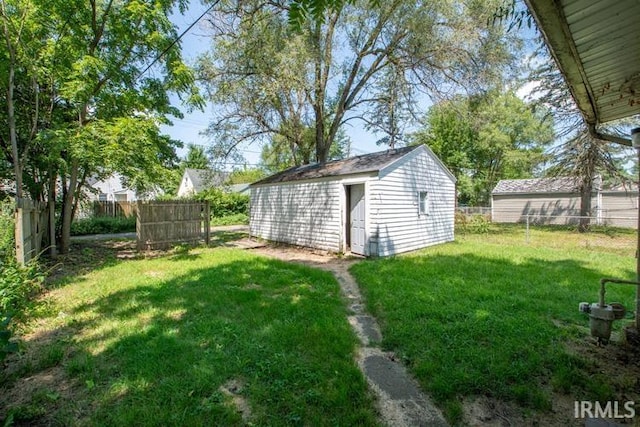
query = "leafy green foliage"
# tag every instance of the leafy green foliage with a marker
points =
(477, 223)
(276, 84)
(234, 219)
(223, 203)
(103, 225)
(7, 229)
(6, 346)
(246, 175)
(89, 103)
(485, 138)
(196, 158)
(18, 284)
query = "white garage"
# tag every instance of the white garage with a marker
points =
(376, 204)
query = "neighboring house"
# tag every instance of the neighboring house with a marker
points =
(197, 180)
(620, 206)
(557, 201)
(377, 204)
(110, 189)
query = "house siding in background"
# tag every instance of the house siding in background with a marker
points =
(555, 208)
(557, 201)
(304, 207)
(620, 208)
(111, 189)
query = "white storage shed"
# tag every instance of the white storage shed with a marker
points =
(376, 204)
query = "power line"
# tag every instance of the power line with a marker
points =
(215, 3)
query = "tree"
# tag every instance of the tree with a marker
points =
(584, 158)
(196, 158)
(276, 156)
(272, 79)
(392, 111)
(486, 138)
(579, 154)
(246, 175)
(93, 107)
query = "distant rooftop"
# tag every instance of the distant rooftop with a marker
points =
(565, 184)
(359, 164)
(205, 178)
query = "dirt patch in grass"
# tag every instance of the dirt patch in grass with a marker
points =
(233, 390)
(32, 400)
(617, 362)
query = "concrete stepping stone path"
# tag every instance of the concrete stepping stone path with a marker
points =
(399, 398)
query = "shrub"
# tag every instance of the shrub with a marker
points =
(222, 203)
(6, 346)
(18, 284)
(7, 230)
(475, 224)
(103, 225)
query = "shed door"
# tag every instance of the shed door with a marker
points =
(356, 209)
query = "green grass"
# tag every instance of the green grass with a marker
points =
(156, 341)
(234, 219)
(490, 313)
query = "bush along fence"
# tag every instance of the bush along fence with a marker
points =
(163, 224)
(223, 203)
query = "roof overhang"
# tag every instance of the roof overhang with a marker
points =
(596, 44)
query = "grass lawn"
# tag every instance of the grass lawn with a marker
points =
(198, 338)
(235, 219)
(492, 315)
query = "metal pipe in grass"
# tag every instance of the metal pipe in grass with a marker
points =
(618, 281)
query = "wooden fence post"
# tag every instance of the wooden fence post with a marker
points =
(19, 233)
(207, 224)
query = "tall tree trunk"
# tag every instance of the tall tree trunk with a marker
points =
(11, 118)
(67, 208)
(585, 205)
(319, 94)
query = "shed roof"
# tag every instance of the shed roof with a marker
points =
(595, 44)
(239, 188)
(372, 162)
(537, 185)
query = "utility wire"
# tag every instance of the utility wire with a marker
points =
(215, 3)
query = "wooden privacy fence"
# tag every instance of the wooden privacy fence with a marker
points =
(29, 230)
(162, 224)
(112, 209)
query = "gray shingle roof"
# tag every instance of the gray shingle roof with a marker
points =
(205, 178)
(360, 164)
(537, 185)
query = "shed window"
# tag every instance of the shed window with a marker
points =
(423, 203)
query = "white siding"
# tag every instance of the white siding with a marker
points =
(186, 187)
(299, 213)
(620, 209)
(548, 208)
(395, 225)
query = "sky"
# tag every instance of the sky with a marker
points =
(188, 129)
